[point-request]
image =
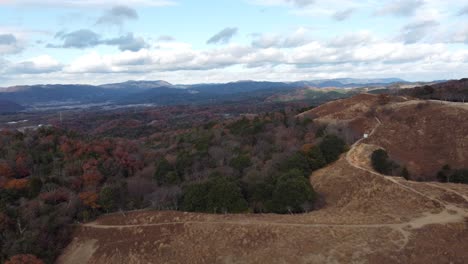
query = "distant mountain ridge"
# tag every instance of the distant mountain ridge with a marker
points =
(455, 90)
(164, 93)
(9, 107)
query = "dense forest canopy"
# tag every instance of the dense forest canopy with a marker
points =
(53, 177)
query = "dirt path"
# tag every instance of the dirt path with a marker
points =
(245, 222)
(450, 213)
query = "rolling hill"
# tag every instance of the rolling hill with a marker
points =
(9, 107)
(164, 93)
(364, 217)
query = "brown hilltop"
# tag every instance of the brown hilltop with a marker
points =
(366, 217)
(423, 135)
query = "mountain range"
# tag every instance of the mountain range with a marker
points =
(164, 93)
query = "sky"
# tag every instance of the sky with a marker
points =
(200, 41)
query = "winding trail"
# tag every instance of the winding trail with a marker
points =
(450, 213)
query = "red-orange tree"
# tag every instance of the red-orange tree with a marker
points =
(24, 259)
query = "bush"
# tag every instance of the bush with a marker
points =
(316, 159)
(380, 161)
(217, 195)
(331, 147)
(297, 161)
(240, 162)
(108, 198)
(165, 173)
(292, 194)
(459, 176)
(405, 173)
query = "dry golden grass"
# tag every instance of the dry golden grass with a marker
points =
(366, 217)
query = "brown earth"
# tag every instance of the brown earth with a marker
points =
(366, 217)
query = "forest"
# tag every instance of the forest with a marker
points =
(54, 177)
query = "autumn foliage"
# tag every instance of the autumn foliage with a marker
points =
(6, 170)
(24, 259)
(16, 184)
(89, 199)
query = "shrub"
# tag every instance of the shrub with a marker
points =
(380, 161)
(405, 173)
(315, 158)
(108, 198)
(241, 162)
(292, 193)
(460, 176)
(331, 147)
(217, 195)
(297, 161)
(165, 173)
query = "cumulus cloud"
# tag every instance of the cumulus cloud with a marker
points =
(7, 39)
(343, 14)
(166, 38)
(297, 38)
(88, 3)
(401, 7)
(180, 63)
(36, 65)
(417, 31)
(223, 37)
(85, 38)
(9, 44)
(127, 42)
(117, 16)
(301, 3)
(366, 50)
(353, 39)
(296, 3)
(461, 36)
(463, 11)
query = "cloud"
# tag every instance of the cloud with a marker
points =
(117, 16)
(301, 3)
(80, 39)
(166, 38)
(354, 39)
(401, 7)
(7, 39)
(343, 14)
(85, 38)
(364, 49)
(296, 3)
(463, 11)
(181, 63)
(127, 42)
(9, 44)
(87, 3)
(223, 37)
(461, 36)
(417, 31)
(37, 65)
(294, 39)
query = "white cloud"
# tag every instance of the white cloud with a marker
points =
(425, 41)
(297, 38)
(361, 47)
(401, 7)
(87, 3)
(36, 65)
(282, 2)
